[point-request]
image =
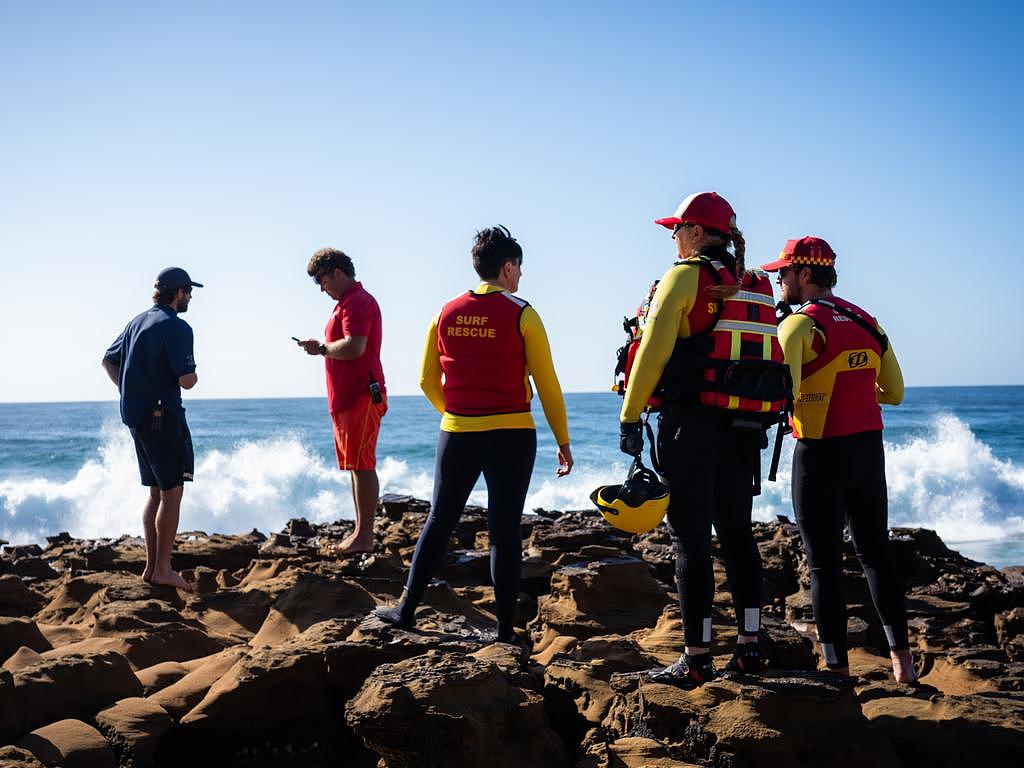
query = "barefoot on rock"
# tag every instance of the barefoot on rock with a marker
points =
(170, 579)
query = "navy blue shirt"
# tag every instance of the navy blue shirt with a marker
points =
(153, 352)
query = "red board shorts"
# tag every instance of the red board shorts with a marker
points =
(355, 433)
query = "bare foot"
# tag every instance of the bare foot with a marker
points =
(353, 545)
(170, 579)
(903, 666)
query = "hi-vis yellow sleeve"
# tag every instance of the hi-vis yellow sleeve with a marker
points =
(889, 383)
(541, 367)
(430, 368)
(667, 320)
(796, 337)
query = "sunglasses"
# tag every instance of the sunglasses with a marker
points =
(681, 225)
(321, 275)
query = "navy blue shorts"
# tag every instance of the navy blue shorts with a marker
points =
(165, 456)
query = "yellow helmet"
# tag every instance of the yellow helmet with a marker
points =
(637, 505)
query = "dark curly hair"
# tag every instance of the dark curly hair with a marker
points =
(330, 258)
(492, 248)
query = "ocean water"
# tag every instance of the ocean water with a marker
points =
(955, 463)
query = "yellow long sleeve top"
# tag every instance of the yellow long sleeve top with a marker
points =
(668, 319)
(539, 366)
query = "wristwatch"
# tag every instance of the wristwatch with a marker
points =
(323, 350)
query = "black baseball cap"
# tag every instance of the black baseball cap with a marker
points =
(175, 277)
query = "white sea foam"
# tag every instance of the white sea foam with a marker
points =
(947, 480)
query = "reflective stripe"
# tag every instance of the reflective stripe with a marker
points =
(754, 298)
(746, 327)
(889, 635)
(751, 620)
(829, 650)
(707, 631)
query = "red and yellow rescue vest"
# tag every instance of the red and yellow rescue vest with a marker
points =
(482, 354)
(732, 361)
(837, 389)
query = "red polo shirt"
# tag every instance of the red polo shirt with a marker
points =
(357, 314)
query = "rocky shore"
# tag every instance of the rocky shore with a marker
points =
(275, 660)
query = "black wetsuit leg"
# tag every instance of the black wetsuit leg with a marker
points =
(708, 464)
(505, 456)
(839, 481)
(733, 506)
(507, 467)
(457, 466)
(867, 514)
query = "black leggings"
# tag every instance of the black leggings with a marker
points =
(840, 481)
(505, 456)
(710, 467)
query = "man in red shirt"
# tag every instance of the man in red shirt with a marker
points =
(355, 384)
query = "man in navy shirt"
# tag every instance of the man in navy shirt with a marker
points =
(150, 362)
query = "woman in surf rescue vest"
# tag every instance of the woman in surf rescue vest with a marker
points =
(480, 353)
(709, 452)
(842, 366)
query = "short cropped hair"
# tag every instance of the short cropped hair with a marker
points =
(492, 248)
(822, 276)
(330, 258)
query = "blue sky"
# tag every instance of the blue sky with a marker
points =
(234, 139)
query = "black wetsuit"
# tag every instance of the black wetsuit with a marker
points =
(840, 481)
(505, 457)
(709, 466)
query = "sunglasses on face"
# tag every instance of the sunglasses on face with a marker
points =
(321, 275)
(679, 226)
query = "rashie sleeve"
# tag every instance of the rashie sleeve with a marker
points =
(796, 337)
(542, 369)
(670, 306)
(115, 352)
(430, 368)
(179, 349)
(889, 384)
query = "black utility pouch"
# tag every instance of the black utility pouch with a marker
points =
(375, 393)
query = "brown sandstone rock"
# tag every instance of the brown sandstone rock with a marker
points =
(10, 727)
(596, 598)
(195, 548)
(76, 598)
(69, 744)
(21, 658)
(159, 676)
(764, 723)
(16, 599)
(1009, 626)
(181, 696)
(71, 685)
(134, 728)
(15, 757)
(447, 709)
(979, 730)
(311, 600)
(18, 632)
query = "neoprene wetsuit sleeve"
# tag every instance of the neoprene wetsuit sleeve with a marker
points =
(889, 383)
(430, 368)
(667, 320)
(796, 337)
(541, 367)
